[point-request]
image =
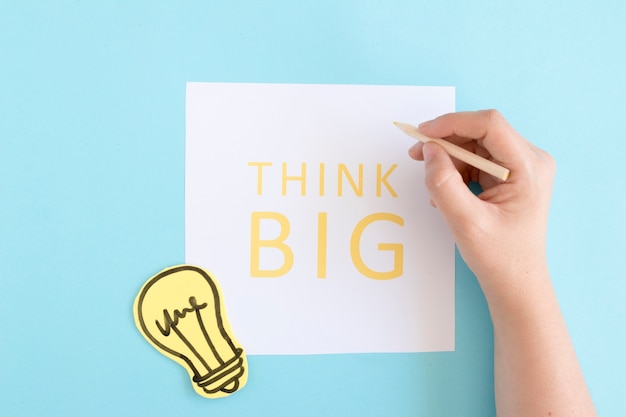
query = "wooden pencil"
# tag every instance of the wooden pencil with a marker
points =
(457, 152)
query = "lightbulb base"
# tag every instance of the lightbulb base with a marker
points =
(224, 378)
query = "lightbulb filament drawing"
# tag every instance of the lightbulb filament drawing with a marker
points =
(181, 313)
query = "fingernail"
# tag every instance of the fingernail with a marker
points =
(424, 124)
(415, 150)
(427, 152)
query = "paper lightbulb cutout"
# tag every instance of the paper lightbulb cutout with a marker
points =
(181, 313)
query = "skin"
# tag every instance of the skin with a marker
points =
(501, 235)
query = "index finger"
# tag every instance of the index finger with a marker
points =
(488, 127)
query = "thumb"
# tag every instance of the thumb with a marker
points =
(446, 187)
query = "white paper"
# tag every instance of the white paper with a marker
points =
(238, 132)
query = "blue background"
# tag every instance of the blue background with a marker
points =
(92, 131)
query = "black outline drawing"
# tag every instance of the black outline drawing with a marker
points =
(225, 377)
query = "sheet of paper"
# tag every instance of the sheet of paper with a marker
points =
(303, 201)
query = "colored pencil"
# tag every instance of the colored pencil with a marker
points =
(457, 152)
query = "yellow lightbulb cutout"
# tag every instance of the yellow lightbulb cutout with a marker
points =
(181, 313)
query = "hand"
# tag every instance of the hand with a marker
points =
(500, 233)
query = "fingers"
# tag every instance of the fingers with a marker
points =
(415, 151)
(445, 184)
(487, 127)
(467, 172)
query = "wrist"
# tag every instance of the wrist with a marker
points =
(519, 295)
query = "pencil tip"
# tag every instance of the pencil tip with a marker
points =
(400, 125)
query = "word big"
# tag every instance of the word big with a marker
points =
(278, 243)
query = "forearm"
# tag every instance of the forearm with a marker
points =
(501, 234)
(536, 369)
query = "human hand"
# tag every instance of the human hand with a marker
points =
(500, 233)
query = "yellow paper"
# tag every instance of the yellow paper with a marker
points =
(180, 311)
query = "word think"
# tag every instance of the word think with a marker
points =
(343, 175)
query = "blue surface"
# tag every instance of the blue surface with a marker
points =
(92, 133)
